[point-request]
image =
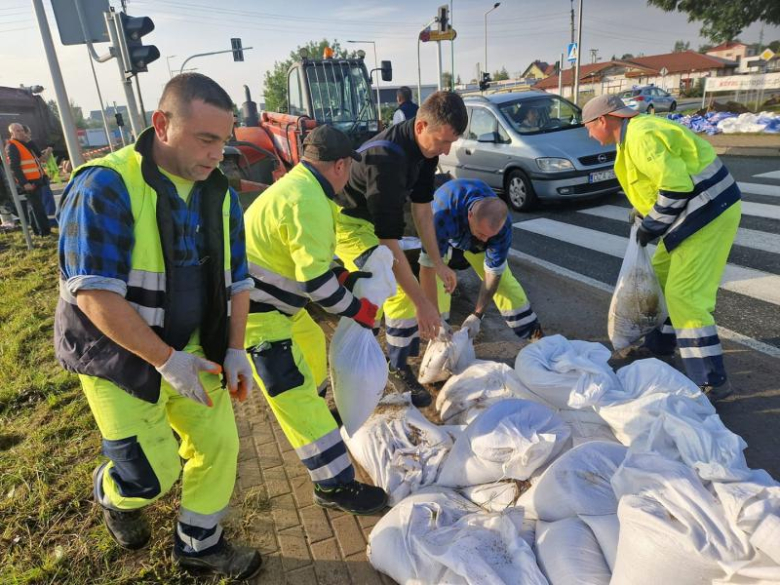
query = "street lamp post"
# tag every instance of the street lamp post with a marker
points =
(378, 77)
(496, 5)
(168, 59)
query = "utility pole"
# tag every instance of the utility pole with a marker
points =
(63, 104)
(593, 55)
(579, 52)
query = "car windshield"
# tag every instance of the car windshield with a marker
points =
(543, 114)
(340, 94)
(632, 93)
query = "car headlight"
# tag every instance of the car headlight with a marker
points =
(554, 165)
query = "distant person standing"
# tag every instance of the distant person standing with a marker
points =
(407, 109)
(43, 156)
(29, 176)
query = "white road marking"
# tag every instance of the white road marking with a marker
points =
(724, 333)
(746, 281)
(757, 240)
(760, 189)
(769, 175)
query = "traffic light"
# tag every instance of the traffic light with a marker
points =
(120, 121)
(484, 83)
(134, 28)
(443, 18)
(238, 49)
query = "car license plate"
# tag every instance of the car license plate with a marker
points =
(600, 176)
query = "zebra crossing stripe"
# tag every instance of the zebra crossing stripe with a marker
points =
(754, 239)
(746, 281)
(760, 189)
(724, 333)
(769, 175)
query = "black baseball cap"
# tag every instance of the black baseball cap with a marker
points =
(326, 143)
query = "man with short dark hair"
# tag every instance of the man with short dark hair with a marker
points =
(685, 196)
(407, 109)
(154, 294)
(291, 236)
(399, 164)
(470, 217)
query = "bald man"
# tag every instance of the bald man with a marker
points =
(30, 178)
(468, 216)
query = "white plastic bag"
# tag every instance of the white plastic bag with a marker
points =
(494, 497)
(464, 396)
(358, 368)
(510, 440)
(438, 536)
(446, 355)
(606, 529)
(399, 448)
(638, 304)
(577, 483)
(569, 554)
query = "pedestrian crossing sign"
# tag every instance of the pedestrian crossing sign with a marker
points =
(571, 52)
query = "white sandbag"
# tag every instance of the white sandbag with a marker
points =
(448, 354)
(705, 445)
(569, 554)
(606, 529)
(465, 395)
(747, 503)
(399, 448)
(666, 514)
(509, 440)
(586, 426)
(564, 373)
(638, 304)
(577, 483)
(358, 368)
(494, 497)
(649, 387)
(437, 536)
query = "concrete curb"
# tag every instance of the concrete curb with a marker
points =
(748, 151)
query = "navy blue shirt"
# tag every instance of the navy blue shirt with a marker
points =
(451, 204)
(97, 237)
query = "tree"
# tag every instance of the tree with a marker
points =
(704, 48)
(723, 20)
(775, 46)
(502, 75)
(626, 56)
(459, 82)
(276, 80)
(54, 109)
(446, 79)
(681, 46)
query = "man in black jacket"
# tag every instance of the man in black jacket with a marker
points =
(397, 164)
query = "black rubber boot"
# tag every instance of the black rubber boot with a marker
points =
(407, 380)
(717, 393)
(129, 528)
(236, 562)
(354, 498)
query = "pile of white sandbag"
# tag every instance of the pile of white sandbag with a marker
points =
(569, 473)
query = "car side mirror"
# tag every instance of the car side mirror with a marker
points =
(487, 137)
(387, 71)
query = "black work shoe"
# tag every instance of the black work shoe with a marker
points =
(717, 393)
(641, 352)
(407, 380)
(353, 498)
(129, 528)
(236, 562)
(536, 334)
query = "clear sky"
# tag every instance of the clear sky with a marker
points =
(519, 31)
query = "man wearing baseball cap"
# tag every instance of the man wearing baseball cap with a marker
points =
(685, 196)
(290, 240)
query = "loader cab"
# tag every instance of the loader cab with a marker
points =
(337, 92)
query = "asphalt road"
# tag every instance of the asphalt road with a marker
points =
(567, 256)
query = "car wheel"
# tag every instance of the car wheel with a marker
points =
(651, 109)
(673, 107)
(518, 191)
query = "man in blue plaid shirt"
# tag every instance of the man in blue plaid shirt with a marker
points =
(468, 216)
(154, 296)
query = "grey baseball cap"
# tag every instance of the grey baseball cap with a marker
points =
(326, 143)
(606, 104)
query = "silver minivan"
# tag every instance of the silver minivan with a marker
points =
(530, 147)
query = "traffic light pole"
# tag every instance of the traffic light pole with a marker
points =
(63, 104)
(188, 59)
(116, 46)
(579, 52)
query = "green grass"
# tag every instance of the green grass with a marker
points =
(50, 530)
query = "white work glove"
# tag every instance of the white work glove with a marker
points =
(472, 323)
(181, 372)
(238, 372)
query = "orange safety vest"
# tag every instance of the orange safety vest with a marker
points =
(31, 166)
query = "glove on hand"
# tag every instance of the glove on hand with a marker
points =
(643, 237)
(366, 316)
(348, 279)
(181, 372)
(473, 324)
(238, 372)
